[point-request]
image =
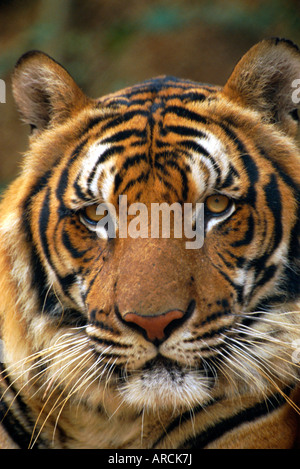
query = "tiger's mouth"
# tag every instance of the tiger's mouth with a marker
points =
(161, 367)
(164, 383)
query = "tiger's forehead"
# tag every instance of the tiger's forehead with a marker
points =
(165, 88)
(159, 140)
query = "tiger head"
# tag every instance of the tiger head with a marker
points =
(142, 321)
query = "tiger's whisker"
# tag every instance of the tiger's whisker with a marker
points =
(71, 372)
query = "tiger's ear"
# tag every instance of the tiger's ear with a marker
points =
(44, 91)
(266, 79)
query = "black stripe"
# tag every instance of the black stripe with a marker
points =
(285, 177)
(81, 195)
(47, 300)
(239, 261)
(230, 265)
(88, 289)
(43, 225)
(75, 253)
(128, 163)
(37, 272)
(125, 134)
(183, 131)
(198, 148)
(65, 282)
(183, 95)
(20, 435)
(185, 417)
(213, 332)
(133, 160)
(167, 154)
(167, 184)
(118, 181)
(39, 282)
(93, 122)
(184, 179)
(238, 288)
(107, 342)
(291, 284)
(230, 178)
(217, 314)
(250, 414)
(253, 175)
(107, 154)
(248, 237)
(191, 96)
(142, 178)
(186, 113)
(14, 428)
(64, 178)
(249, 164)
(161, 167)
(267, 276)
(273, 198)
(121, 119)
(37, 187)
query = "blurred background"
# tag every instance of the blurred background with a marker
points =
(109, 44)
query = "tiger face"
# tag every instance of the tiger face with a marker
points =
(149, 322)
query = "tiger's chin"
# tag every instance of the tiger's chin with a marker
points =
(164, 385)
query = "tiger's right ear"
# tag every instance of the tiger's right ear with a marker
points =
(265, 79)
(44, 91)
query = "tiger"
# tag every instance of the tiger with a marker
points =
(140, 341)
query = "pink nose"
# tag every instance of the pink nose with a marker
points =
(154, 326)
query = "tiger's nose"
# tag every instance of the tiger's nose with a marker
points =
(157, 328)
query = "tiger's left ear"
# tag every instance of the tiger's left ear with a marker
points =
(267, 79)
(44, 91)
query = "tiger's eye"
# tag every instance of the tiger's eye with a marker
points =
(217, 203)
(90, 213)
